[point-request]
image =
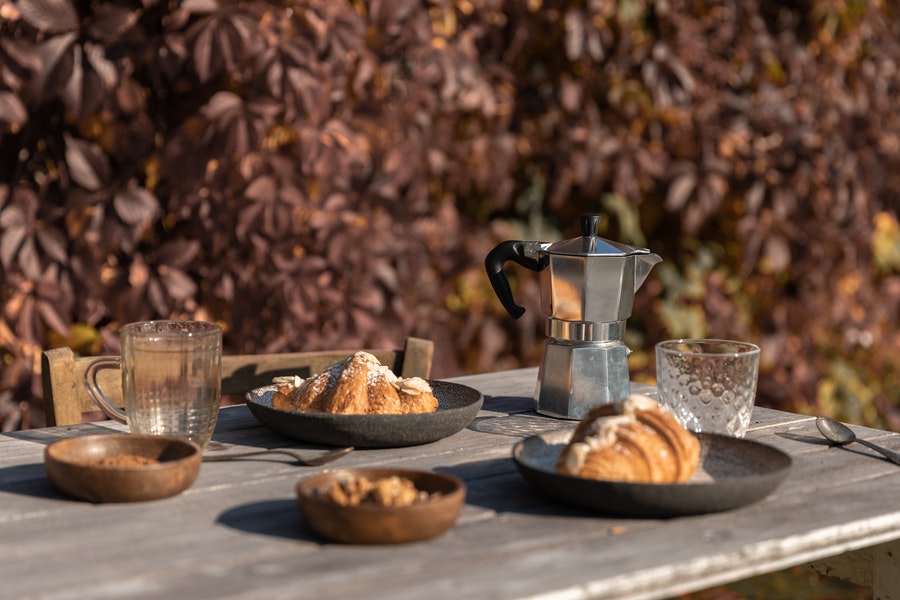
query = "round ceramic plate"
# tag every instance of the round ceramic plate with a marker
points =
(733, 472)
(457, 406)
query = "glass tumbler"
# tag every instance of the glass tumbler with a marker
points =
(710, 385)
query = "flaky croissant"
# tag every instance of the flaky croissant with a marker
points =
(359, 385)
(636, 440)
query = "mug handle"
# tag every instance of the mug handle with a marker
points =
(93, 388)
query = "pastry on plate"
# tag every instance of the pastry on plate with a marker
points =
(358, 385)
(636, 440)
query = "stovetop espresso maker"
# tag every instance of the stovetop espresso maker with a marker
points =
(587, 292)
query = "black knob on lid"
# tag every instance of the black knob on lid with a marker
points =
(590, 224)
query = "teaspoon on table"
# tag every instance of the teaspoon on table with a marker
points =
(838, 433)
(305, 461)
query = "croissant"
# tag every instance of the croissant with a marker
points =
(359, 384)
(636, 440)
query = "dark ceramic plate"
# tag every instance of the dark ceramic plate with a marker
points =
(457, 406)
(733, 472)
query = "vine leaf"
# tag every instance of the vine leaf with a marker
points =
(12, 111)
(14, 225)
(53, 243)
(110, 22)
(680, 190)
(237, 126)
(88, 164)
(56, 64)
(136, 205)
(220, 41)
(49, 16)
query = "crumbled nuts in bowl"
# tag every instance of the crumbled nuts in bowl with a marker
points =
(385, 491)
(380, 506)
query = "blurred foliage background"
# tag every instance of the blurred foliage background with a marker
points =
(330, 174)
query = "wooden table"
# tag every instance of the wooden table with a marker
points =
(237, 532)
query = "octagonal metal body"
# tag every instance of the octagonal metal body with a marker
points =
(575, 377)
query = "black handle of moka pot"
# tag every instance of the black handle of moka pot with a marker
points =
(513, 250)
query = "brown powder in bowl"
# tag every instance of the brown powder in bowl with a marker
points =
(125, 460)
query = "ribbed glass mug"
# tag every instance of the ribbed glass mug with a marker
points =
(171, 378)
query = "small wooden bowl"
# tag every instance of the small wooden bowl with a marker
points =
(107, 467)
(375, 524)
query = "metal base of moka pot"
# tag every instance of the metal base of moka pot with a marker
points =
(576, 376)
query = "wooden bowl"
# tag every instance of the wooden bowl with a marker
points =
(375, 524)
(122, 467)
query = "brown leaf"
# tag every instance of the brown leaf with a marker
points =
(53, 243)
(28, 259)
(136, 205)
(200, 6)
(178, 253)
(12, 111)
(109, 22)
(680, 189)
(88, 164)
(54, 318)
(262, 189)
(95, 57)
(73, 90)
(56, 64)
(177, 283)
(778, 253)
(14, 225)
(131, 96)
(49, 16)
(156, 297)
(221, 40)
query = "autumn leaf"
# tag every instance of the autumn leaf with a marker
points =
(12, 110)
(136, 205)
(49, 16)
(88, 164)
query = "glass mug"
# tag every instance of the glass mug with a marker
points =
(171, 378)
(710, 385)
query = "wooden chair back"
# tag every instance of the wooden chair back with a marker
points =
(66, 400)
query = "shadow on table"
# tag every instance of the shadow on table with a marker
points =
(806, 439)
(493, 485)
(496, 485)
(28, 480)
(276, 518)
(520, 424)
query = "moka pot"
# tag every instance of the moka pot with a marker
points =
(587, 293)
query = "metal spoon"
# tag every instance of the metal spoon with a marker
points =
(838, 433)
(304, 461)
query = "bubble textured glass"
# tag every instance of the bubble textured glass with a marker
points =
(710, 385)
